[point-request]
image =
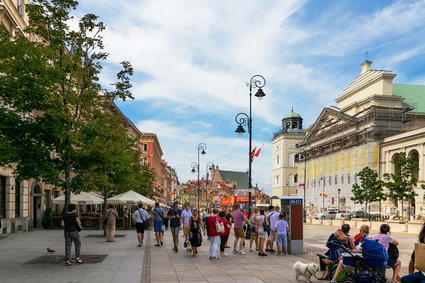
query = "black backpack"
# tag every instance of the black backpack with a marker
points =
(393, 252)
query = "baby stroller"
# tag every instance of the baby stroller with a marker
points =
(369, 266)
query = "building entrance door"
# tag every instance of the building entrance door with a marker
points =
(36, 212)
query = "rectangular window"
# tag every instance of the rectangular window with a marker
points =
(144, 147)
(18, 199)
(2, 197)
(21, 7)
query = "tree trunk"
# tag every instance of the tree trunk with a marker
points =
(402, 208)
(105, 197)
(67, 184)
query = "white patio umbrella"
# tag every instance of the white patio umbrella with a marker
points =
(81, 198)
(130, 197)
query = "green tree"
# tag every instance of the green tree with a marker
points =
(402, 183)
(369, 190)
(53, 96)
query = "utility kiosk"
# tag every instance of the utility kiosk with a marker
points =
(292, 208)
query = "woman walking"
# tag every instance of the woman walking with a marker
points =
(71, 223)
(225, 235)
(254, 236)
(262, 235)
(196, 226)
(212, 232)
(419, 276)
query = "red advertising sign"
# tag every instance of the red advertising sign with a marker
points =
(227, 201)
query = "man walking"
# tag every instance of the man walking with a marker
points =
(186, 215)
(111, 217)
(239, 219)
(158, 216)
(140, 216)
(175, 224)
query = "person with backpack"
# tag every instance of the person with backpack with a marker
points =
(141, 218)
(158, 218)
(386, 240)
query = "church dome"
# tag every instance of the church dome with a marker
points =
(292, 114)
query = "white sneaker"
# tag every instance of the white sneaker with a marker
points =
(241, 253)
(224, 254)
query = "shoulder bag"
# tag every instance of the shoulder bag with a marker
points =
(420, 257)
(145, 221)
(266, 226)
(219, 226)
(105, 221)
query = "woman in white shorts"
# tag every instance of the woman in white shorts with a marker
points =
(262, 235)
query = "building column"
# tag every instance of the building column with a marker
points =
(421, 163)
(10, 197)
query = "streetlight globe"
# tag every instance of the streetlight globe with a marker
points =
(260, 94)
(240, 130)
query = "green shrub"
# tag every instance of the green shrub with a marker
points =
(47, 219)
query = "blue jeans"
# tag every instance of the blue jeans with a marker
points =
(157, 225)
(416, 277)
(69, 238)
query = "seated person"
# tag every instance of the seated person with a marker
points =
(384, 239)
(364, 233)
(336, 239)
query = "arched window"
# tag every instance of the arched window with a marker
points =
(414, 155)
(296, 178)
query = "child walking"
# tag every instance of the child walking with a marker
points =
(282, 239)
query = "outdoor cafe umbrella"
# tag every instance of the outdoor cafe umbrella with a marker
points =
(130, 197)
(81, 198)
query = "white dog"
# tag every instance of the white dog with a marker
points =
(305, 269)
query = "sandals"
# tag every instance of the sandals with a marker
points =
(68, 263)
(79, 260)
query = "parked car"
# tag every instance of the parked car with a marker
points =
(359, 214)
(343, 214)
(327, 214)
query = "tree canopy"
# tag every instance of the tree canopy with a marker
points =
(56, 125)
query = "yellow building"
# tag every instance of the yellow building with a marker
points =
(346, 138)
(285, 172)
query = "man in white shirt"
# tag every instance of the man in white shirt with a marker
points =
(140, 216)
(186, 215)
(273, 217)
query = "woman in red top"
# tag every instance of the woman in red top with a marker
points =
(212, 232)
(225, 235)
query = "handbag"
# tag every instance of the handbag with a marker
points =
(266, 227)
(105, 221)
(420, 257)
(145, 222)
(393, 252)
(219, 226)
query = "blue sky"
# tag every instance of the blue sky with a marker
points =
(192, 60)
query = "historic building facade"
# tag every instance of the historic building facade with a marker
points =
(285, 168)
(413, 144)
(346, 138)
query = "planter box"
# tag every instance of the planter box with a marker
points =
(326, 222)
(338, 222)
(396, 226)
(414, 228)
(308, 220)
(316, 221)
(376, 225)
(352, 223)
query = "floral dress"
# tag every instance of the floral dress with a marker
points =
(195, 232)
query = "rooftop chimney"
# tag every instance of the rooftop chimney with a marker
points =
(366, 66)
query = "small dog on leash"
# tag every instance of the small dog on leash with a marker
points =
(305, 269)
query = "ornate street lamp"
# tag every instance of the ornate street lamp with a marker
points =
(243, 119)
(195, 166)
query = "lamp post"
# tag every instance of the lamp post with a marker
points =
(209, 166)
(243, 119)
(339, 192)
(195, 166)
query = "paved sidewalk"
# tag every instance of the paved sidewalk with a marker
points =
(168, 266)
(123, 262)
